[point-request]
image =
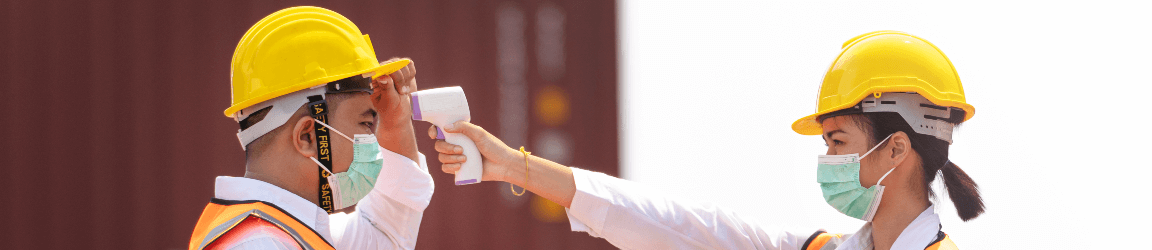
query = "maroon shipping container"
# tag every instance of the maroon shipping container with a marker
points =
(114, 133)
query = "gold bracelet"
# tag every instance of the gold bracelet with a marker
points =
(512, 187)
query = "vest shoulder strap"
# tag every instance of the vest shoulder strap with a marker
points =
(221, 216)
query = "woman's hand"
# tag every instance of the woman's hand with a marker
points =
(501, 163)
(498, 157)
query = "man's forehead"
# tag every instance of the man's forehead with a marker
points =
(354, 104)
(360, 97)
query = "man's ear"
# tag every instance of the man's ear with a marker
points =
(303, 137)
(900, 147)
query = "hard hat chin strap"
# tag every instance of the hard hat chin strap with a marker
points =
(318, 109)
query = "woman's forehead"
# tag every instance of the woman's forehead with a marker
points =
(842, 123)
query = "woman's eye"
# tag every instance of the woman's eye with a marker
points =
(837, 142)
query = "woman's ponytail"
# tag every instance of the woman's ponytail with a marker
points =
(963, 191)
(961, 188)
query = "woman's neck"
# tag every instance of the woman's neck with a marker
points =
(898, 208)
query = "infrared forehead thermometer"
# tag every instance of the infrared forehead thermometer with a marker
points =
(443, 106)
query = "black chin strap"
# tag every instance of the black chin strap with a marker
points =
(318, 108)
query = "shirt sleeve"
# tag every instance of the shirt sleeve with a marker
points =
(631, 216)
(389, 216)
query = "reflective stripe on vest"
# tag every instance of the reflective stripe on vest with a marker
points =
(220, 216)
(242, 234)
(820, 240)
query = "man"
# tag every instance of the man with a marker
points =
(324, 126)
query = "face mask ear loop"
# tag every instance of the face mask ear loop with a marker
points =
(885, 175)
(334, 130)
(874, 148)
(865, 154)
(321, 165)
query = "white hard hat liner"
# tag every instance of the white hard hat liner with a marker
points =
(922, 115)
(282, 109)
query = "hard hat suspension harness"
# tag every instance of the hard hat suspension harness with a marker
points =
(356, 83)
(923, 116)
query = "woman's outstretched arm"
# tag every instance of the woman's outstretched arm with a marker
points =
(627, 214)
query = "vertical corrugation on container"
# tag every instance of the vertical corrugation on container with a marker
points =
(113, 133)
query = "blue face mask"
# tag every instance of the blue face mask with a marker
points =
(839, 178)
(350, 186)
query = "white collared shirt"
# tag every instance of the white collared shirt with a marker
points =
(631, 216)
(388, 218)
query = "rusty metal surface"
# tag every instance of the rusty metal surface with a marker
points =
(113, 133)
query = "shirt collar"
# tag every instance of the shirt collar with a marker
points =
(920, 232)
(240, 188)
(916, 235)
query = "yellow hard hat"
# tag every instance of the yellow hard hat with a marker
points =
(886, 61)
(298, 48)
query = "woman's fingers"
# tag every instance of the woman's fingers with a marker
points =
(450, 167)
(447, 158)
(432, 132)
(476, 133)
(447, 148)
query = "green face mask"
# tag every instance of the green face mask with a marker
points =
(839, 178)
(350, 186)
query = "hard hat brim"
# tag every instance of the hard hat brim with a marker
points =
(381, 70)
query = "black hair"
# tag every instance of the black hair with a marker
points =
(963, 191)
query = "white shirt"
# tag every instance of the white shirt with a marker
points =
(388, 218)
(631, 216)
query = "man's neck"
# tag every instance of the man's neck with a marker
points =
(898, 208)
(281, 174)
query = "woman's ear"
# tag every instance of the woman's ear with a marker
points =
(302, 137)
(900, 146)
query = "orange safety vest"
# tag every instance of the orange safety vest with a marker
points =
(822, 240)
(223, 216)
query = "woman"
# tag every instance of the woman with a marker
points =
(886, 110)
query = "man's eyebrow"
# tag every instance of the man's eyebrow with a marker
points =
(830, 133)
(369, 112)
